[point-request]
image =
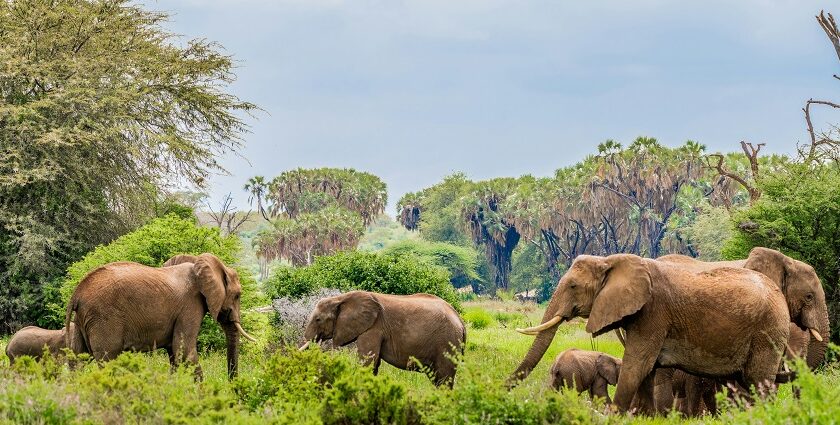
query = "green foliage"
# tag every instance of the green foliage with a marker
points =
(461, 262)
(388, 274)
(478, 318)
(99, 106)
(798, 214)
(710, 230)
(435, 211)
(152, 245)
(318, 211)
(383, 232)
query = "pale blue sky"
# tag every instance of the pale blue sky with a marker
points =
(415, 90)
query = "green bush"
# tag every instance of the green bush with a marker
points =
(461, 262)
(478, 318)
(383, 273)
(152, 245)
(312, 386)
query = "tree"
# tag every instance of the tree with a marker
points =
(257, 189)
(100, 107)
(227, 219)
(435, 211)
(490, 224)
(319, 211)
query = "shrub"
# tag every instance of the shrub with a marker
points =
(461, 262)
(478, 318)
(152, 245)
(351, 270)
(293, 313)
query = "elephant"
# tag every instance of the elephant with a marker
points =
(31, 341)
(583, 370)
(798, 281)
(403, 330)
(658, 305)
(694, 395)
(127, 306)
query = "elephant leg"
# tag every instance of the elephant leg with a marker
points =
(639, 359)
(184, 349)
(664, 388)
(444, 371)
(599, 389)
(369, 345)
(105, 342)
(760, 370)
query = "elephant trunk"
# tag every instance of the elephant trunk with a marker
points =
(816, 349)
(232, 336)
(538, 348)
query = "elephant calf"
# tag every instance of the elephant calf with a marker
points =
(403, 330)
(583, 370)
(31, 340)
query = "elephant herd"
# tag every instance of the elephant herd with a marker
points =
(688, 326)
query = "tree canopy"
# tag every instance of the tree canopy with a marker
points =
(316, 211)
(100, 107)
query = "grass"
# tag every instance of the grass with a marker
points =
(288, 386)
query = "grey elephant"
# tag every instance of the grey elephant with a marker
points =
(31, 341)
(657, 304)
(402, 330)
(128, 306)
(589, 371)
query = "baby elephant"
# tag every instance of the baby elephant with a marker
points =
(30, 341)
(585, 371)
(403, 330)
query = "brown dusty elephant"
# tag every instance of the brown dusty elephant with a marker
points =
(724, 323)
(589, 371)
(693, 395)
(31, 340)
(403, 330)
(798, 281)
(127, 306)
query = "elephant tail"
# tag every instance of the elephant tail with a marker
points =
(68, 336)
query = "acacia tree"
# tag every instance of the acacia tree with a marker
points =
(319, 211)
(101, 105)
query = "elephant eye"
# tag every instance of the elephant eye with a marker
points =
(809, 297)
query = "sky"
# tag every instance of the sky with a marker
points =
(415, 90)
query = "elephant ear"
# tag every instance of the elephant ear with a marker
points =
(625, 289)
(210, 275)
(770, 263)
(357, 312)
(180, 259)
(608, 368)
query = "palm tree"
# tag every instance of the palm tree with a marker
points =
(257, 189)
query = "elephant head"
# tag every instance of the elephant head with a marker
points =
(608, 368)
(603, 289)
(803, 292)
(342, 318)
(220, 287)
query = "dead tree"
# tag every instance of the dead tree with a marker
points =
(227, 219)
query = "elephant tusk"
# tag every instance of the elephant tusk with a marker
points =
(244, 334)
(537, 329)
(816, 334)
(304, 346)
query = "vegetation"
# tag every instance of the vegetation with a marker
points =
(99, 107)
(346, 271)
(318, 211)
(315, 387)
(461, 262)
(152, 245)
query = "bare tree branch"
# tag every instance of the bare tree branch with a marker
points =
(830, 27)
(752, 155)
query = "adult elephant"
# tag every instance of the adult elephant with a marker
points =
(658, 305)
(403, 330)
(583, 370)
(127, 306)
(797, 280)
